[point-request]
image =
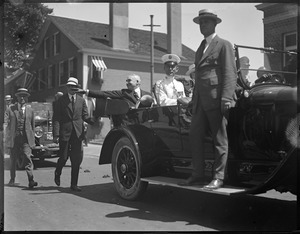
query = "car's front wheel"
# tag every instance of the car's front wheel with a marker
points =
(126, 170)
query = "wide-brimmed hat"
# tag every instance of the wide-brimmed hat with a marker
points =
(170, 58)
(72, 81)
(7, 97)
(22, 92)
(206, 13)
(191, 69)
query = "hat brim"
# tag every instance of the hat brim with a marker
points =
(25, 94)
(196, 19)
(72, 84)
(171, 63)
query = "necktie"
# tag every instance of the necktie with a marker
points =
(135, 94)
(21, 111)
(73, 103)
(202, 47)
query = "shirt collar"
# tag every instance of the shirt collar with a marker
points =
(169, 77)
(70, 96)
(138, 91)
(210, 38)
(19, 106)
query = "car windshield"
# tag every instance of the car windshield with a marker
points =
(265, 65)
(42, 110)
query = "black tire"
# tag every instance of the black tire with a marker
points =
(20, 163)
(126, 170)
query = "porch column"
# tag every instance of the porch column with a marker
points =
(85, 71)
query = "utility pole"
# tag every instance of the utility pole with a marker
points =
(152, 51)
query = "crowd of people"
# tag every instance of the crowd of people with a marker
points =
(211, 90)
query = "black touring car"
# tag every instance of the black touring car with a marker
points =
(151, 145)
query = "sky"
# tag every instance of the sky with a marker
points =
(241, 24)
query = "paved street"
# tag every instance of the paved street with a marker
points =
(99, 208)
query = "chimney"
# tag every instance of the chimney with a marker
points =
(118, 26)
(174, 28)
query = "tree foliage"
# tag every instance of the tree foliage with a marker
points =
(22, 25)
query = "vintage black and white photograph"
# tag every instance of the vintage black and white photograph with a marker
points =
(149, 116)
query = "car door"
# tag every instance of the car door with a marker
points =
(167, 128)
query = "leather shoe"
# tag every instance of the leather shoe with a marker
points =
(193, 180)
(11, 182)
(57, 179)
(75, 188)
(32, 184)
(214, 184)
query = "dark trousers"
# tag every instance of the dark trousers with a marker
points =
(216, 122)
(21, 149)
(85, 140)
(72, 148)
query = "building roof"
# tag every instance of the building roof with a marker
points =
(91, 35)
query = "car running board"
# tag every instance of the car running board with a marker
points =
(160, 180)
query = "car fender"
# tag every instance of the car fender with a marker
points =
(141, 137)
(285, 175)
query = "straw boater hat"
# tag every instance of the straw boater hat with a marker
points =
(22, 92)
(7, 97)
(170, 58)
(191, 69)
(72, 81)
(206, 13)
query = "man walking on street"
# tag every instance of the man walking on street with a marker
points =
(215, 82)
(8, 102)
(20, 118)
(68, 130)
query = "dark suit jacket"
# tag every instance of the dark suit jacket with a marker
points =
(215, 75)
(124, 94)
(13, 113)
(65, 120)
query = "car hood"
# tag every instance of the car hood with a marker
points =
(270, 93)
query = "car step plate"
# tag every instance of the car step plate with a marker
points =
(160, 180)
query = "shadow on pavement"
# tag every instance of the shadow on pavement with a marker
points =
(37, 163)
(169, 204)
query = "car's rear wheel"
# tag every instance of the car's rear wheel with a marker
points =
(126, 170)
